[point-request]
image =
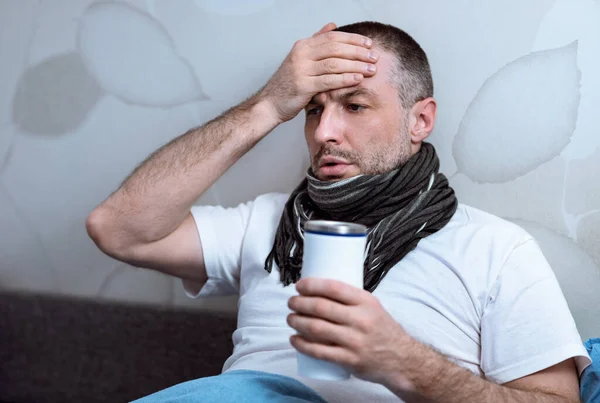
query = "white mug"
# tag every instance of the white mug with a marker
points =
(333, 250)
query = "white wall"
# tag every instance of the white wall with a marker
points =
(89, 89)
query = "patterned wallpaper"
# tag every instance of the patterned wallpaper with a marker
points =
(90, 88)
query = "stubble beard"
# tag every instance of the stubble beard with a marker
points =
(373, 161)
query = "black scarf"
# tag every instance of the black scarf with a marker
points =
(399, 208)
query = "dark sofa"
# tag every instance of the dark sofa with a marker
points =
(64, 349)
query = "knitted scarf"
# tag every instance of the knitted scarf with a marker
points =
(399, 208)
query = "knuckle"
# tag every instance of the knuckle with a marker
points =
(328, 80)
(298, 44)
(335, 48)
(320, 308)
(349, 78)
(354, 341)
(369, 328)
(330, 35)
(374, 302)
(331, 65)
(319, 354)
(296, 54)
(354, 361)
(315, 328)
(297, 81)
(366, 325)
(334, 288)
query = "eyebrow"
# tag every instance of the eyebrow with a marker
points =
(354, 92)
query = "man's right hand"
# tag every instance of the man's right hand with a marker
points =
(324, 62)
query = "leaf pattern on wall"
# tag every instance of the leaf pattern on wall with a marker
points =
(582, 192)
(565, 22)
(523, 115)
(536, 196)
(234, 8)
(55, 96)
(133, 57)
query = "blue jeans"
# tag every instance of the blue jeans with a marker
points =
(590, 379)
(239, 386)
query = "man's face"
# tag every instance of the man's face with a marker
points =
(358, 130)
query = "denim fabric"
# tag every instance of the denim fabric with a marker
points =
(240, 386)
(590, 379)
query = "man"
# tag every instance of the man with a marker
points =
(458, 305)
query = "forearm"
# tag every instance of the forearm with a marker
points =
(434, 378)
(159, 193)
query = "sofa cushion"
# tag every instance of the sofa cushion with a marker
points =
(57, 348)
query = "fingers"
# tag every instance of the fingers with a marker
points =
(344, 51)
(333, 66)
(340, 60)
(331, 289)
(337, 354)
(322, 331)
(329, 82)
(328, 27)
(332, 60)
(342, 37)
(321, 308)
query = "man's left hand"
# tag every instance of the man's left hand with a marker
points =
(347, 325)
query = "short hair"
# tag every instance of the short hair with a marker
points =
(412, 74)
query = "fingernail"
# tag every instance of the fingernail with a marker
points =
(371, 68)
(368, 42)
(358, 77)
(373, 55)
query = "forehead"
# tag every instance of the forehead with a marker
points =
(379, 85)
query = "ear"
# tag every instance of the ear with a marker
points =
(422, 119)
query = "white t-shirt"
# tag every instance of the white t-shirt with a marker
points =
(479, 291)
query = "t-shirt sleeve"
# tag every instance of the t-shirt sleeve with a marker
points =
(526, 325)
(221, 232)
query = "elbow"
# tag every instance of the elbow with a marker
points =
(101, 230)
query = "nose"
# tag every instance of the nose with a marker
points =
(330, 128)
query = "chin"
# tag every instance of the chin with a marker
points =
(334, 178)
(331, 178)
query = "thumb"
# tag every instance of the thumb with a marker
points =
(330, 26)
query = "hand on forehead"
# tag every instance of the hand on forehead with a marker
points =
(370, 87)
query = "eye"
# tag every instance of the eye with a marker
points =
(355, 107)
(316, 110)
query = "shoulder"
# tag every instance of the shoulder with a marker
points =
(470, 220)
(263, 207)
(268, 205)
(267, 208)
(477, 236)
(267, 202)
(274, 201)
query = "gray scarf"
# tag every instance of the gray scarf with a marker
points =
(399, 208)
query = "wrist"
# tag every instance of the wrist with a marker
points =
(416, 375)
(401, 377)
(267, 110)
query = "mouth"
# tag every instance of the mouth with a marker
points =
(332, 166)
